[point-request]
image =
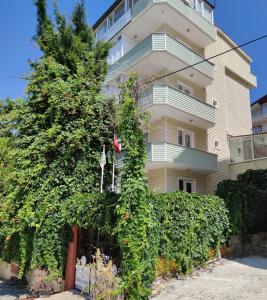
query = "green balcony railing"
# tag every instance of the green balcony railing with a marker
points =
(164, 94)
(182, 157)
(165, 43)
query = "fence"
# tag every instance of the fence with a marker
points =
(248, 147)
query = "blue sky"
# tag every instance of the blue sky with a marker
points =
(240, 19)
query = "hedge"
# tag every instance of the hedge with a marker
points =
(246, 200)
(185, 226)
(190, 226)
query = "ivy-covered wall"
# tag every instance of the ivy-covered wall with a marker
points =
(183, 228)
(246, 200)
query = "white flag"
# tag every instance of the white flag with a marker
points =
(103, 159)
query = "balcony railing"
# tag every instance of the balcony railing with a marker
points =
(165, 43)
(248, 147)
(258, 114)
(182, 157)
(165, 94)
(116, 27)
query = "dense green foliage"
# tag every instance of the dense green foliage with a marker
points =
(134, 211)
(183, 228)
(91, 211)
(246, 200)
(190, 226)
(6, 164)
(59, 132)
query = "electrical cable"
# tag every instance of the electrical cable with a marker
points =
(208, 59)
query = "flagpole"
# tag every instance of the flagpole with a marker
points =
(102, 164)
(113, 174)
(102, 180)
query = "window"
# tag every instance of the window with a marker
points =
(185, 138)
(186, 185)
(119, 12)
(184, 88)
(207, 12)
(110, 21)
(102, 29)
(198, 6)
(257, 129)
(203, 9)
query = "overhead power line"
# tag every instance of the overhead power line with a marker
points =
(209, 58)
(174, 72)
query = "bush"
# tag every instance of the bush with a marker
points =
(246, 200)
(186, 229)
(190, 226)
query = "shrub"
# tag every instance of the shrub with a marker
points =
(190, 226)
(106, 284)
(185, 230)
(246, 200)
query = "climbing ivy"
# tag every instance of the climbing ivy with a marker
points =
(180, 231)
(57, 135)
(246, 200)
(190, 226)
(134, 210)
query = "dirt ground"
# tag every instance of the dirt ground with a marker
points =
(240, 279)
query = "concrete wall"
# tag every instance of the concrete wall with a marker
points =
(166, 180)
(166, 130)
(240, 168)
(7, 271)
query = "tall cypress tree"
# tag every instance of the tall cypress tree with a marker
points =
(60, 130)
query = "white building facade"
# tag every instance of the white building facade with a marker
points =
(193, 111)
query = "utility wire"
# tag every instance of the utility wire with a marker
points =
(174, 72)
(208, 59)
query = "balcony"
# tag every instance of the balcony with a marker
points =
(166, 155)
(116, 27)
(159, 52)
(164, 100)
(247, 152)
(259, 116)
(175, 13)
(248, 147)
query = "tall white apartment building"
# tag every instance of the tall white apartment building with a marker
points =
(195, 111)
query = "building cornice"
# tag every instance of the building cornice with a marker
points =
(233, 45)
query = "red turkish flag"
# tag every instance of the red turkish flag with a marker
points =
(117, 145)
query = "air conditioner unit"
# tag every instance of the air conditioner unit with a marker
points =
(187, 2)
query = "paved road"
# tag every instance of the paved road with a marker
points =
(242, 279)
(10, 291)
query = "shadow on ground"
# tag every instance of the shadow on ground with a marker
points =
(253, 261)
(12, 289)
